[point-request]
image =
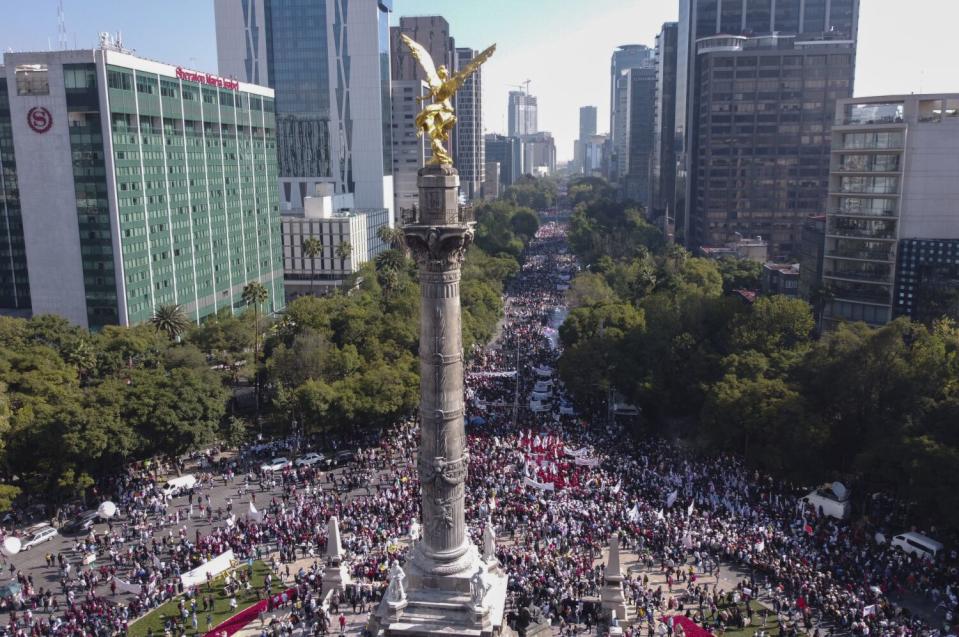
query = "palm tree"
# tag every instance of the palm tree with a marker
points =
(392, 237)
(343, 252)
(171, 320)
(312, 247)
(255, 294)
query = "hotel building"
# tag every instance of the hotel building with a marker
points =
(128, 183)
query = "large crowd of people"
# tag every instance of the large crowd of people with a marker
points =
(556, 485)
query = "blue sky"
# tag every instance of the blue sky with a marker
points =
(563, 46)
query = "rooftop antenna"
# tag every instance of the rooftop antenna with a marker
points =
(61, 27)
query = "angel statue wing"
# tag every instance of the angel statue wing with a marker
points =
(422, 56)
(473, 64)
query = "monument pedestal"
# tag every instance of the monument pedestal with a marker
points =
(448, 588)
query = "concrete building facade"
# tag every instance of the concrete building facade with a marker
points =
(893, 184)
(329, 63)
(539, 154)
(837, 20)
(137, 184)
(761, 140)
(336, 223)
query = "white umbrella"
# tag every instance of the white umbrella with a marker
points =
(107, 510)
(11, 546)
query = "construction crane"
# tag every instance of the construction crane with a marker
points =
(521, 85)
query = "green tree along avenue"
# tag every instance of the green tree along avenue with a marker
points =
(875, 407)
(76, 406)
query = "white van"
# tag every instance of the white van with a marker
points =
(176, 486)
(917, 544)
(833, 500)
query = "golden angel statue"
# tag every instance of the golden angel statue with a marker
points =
(438, 118)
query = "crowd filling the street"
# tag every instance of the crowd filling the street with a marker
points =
(705, 539)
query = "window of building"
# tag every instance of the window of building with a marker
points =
(32, 79)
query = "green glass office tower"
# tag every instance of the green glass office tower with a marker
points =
(150, 185)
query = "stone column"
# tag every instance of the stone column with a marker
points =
(438, 240)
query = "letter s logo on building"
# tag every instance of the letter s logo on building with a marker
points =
(39, 119)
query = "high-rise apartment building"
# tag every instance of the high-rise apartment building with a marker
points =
(891, 217)
(662, 171)
(761, 139)
(808, 20)
(640, 123)
(329, 64)
(522, 114)
(129, 184)
(624, 58)
(508, 153)
(469, 155)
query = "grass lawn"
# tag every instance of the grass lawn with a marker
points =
(221, 605)
(772, 624)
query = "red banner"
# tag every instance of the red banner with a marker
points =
(247, 615)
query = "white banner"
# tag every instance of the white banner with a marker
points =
(542, 486)
(492, 374)
(253, 514)
(127, 587)
(671, 499)
(576, 453)
(212, 567)
(586, 462)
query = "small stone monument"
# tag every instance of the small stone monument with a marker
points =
(335, 575)
(612, 592)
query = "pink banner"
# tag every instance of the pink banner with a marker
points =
(244, 617)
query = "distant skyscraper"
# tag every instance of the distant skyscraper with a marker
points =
(469, 155)
(624, 58)
(508, 153)
(330, 69)
(410, 151)
(640, 119)
(522, 114)
(587, 122)
(808, 20)
(587, 128)
(539, 154)
(663, 162)
(762, 140)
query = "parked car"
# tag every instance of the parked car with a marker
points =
(309, 459)
(276, 464)
(341, 458)
(41, 535)
(81, 523)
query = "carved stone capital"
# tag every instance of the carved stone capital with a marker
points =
(438, 248)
